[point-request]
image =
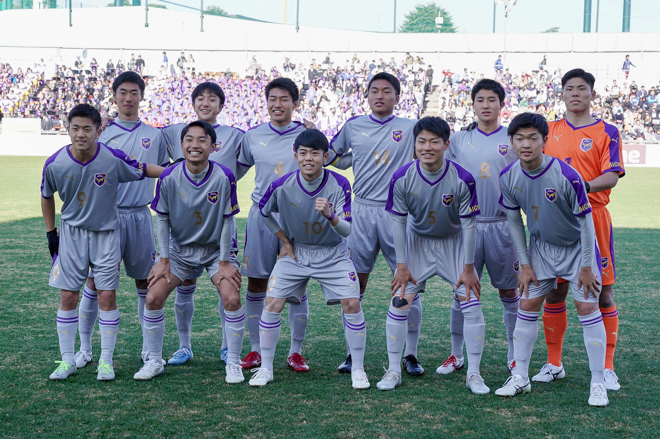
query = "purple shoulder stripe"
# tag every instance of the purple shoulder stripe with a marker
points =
(505, 170)
(163, 174)
(49, 160)
(129, 161)
(577, 184)
(616, 161)
(232, 183)
(344, 126)
(398, 174)
(346, 187)
(468, 179)
(271, 190)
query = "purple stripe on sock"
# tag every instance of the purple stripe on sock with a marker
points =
(456, 299)
(470, 304)
(510, 299)
(154, 319)
(397, 317)
(304, 297)
(185, 291)
(267, 325)
(611, 314)
(554, 311)
(142, 295)
(416, 297)
(109, 322)
(67, 319)
(255, 298)
(527, 318)
(89, 296)
(357, 327)
(593, 321)
(234, 319)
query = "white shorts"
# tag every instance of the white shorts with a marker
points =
(261, 246)
(371, 230)
(189, 261)
(496, 251)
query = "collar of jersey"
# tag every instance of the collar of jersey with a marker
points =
(419, 171)
(487, 135)
(534, 177)
(116, 123)
(318, 189)
(579, 128)
(382, 122)
(208, 174)
(98, 149)
(296, 125)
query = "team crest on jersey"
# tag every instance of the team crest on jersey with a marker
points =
(503, 149)
(586, 144)
(218, 146)
(146, 142)
(447, 199)
(99, 179)
(352, 276)
(551, 194)
(397, 135)
(516, 266)
(604, 262)
(212, 197)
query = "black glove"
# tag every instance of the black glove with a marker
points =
(53, 242)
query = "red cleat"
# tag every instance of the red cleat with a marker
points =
(297, 362)
(251, 360)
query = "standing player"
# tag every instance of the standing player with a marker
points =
(196, 203)
(86, 174)
(144, 143)
(484, 152)
(314, 208)
(593, 148)
(380, 144)
(440, 198)
(562, 243)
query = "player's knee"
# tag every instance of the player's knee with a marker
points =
(231, 302)
(189, 282)
(585, 308)
(606, 298)
(154, 301)
(395, 302)
(509, 294)
(273, 304)
(350, 306)
(256, 285)
(558, 295)
(107, 300)
(69, 300)
(141, 284)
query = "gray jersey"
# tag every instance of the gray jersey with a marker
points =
(196, 210)
(143, 143)
(272, 153)
(551, 199)
(89, 190)
(484, 156)
(227, 145)
(435, 207)
(379, 148)
(299, 220)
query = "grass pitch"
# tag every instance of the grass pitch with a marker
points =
(194, 401)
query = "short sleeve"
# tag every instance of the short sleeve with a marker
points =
(343, 206)
(268, 203)
(507, 200)
(468, 204)
(245, 155)
(577, 194)
(160, 203)
(48, 186)
(230, 194)
(396, 198)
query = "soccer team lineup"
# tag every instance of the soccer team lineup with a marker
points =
(431, 202)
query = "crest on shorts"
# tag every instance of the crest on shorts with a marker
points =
(212, 197)
(352, 276)
(586, 144)
(146, 142)
(604, 262)
(153, 255)
(99, 179)
(503, 149)
(447, 199)
(397, 135)
(218, 146)
(551, 194)
(516, 266)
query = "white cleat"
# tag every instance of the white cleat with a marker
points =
(145, 357)
(598, 395)
(549, 372)
(390, 380)
(450, 365)
(151, 369)
(105, 371)
(611, 380)
(63, 371)
(234, 374)
(514, 385)
(476, 384)
(359, 379)
(261, 378)
(82, 359)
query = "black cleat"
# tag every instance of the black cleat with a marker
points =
(347, 365)
(412, 366)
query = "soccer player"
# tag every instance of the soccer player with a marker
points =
(196, 203)
(269, 147)
(86, 174)
(439, 199)
(562, 243)
(593, 148)
(380, 143)
(484, 152)
(314, 208)
(144, 143)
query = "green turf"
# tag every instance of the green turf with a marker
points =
(194, 401)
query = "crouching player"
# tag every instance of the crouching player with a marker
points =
(87, 175)
(562, 243)
(314, 208)
(440, 198)
(196, 203)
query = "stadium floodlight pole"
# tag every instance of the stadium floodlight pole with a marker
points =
(394, 24)
(508, 5)
(494, 14)
(146, 13)
(70, 13)
(201, 16)
(627, 4)
(586, 23)
(597, 13)
(297, 16)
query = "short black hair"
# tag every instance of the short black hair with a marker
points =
(285, 84)
(387, 77)
(212, 87)
(489, 84)
(435, 125)
(130, 77)
(578, 73)
(528, 120)
(87, 111)
(313, 139)
(203, 124)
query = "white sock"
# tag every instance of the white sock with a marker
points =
(395, 329)
(88, 310)
(67, 323)
(142, 301)
(221, 311)
(356, 332)
(456, 329)
(474, 330)
(414, 325)
(109, 327)
(184, 309)
(509, 315)
(524, 336)
(343, 322)
(270, 326)
(254, 305)
(298, 317)
(595, 340)
(235, 325)
(154, 325)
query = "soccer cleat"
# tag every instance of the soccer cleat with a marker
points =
(359, 379)
(412, 365)
(476, 384)
(145, 357)
(514, 385)
(105, 371)
(151, 369)
(611, 380)
(511, 366)
(297, 362)
(234, 374)
(252, 361)
(180, 357)
(261, 378)
(390, 380)
(224, 353)
(346, 366)
(598, 395)
(450, 365)
(63, 371)
(82, 359)
(549, 372)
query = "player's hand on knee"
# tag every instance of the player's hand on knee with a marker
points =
(53, 242)
(471, 282)
(526, 277)
(589, 281)
(287, 250)
(229, 273)
(159, 271)
(401, 278)
(323, 206)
